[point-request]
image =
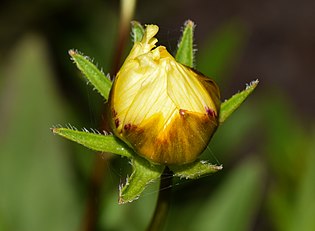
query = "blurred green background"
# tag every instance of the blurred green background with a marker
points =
(267, 147)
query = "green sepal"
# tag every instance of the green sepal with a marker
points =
(230, 105)
(194, 170)
(137, 31)
(185, 51)
(97, 78)
(143, 173)
(95, 141)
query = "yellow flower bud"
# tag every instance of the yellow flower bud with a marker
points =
(165, 111)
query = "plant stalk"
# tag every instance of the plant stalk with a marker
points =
(163, 203)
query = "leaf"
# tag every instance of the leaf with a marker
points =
(234, 203)
(137, 31)
(143, 173)
(92, 73)
(185, 51)
(37, 188)
(194, 170)
(304, 209)
(286, 150)
(97, 142)
(230, 105)
(222, 49)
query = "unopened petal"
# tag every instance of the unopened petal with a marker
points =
(165, 111)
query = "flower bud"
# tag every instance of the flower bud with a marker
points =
(165, 111)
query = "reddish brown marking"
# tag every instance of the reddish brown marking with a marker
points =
(210, 112)
(117, 122)
(127, 126)
(114, 113)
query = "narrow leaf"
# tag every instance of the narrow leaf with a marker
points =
(42, 193)
(234, 203)
(143, 173)
(137, 31)
(92, 73)
(194, 170)
(97, 142)
(222, 49)
(185, 51)
(304, 209)
(230, 105)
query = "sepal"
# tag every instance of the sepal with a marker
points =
(185, 51)
(143, 173)
(137, 31)
(95, 141)
(230, 105)
(194, 170)
(96, 77)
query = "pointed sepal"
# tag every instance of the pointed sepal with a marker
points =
(137, 31)
(96, 77)
(194, 170)
(143, 173)
(95, 141)
(185, 51)
(230, 105)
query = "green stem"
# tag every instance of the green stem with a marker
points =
(94, 198)
(163, 202)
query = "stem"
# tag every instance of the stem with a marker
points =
(119, 48)
(163, 202)
(93, 199)
(127, 11)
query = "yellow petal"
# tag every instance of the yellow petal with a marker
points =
(165, 111)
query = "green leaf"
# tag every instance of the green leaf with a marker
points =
(194, 170)
(235, 202)
(222, 49)
(97, 142)
(304, 209)
(137, 31)
(185, 51)
(92, 73)
(143, 173)
(37, 190)
(230, 105)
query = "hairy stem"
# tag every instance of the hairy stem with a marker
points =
(163, 202)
